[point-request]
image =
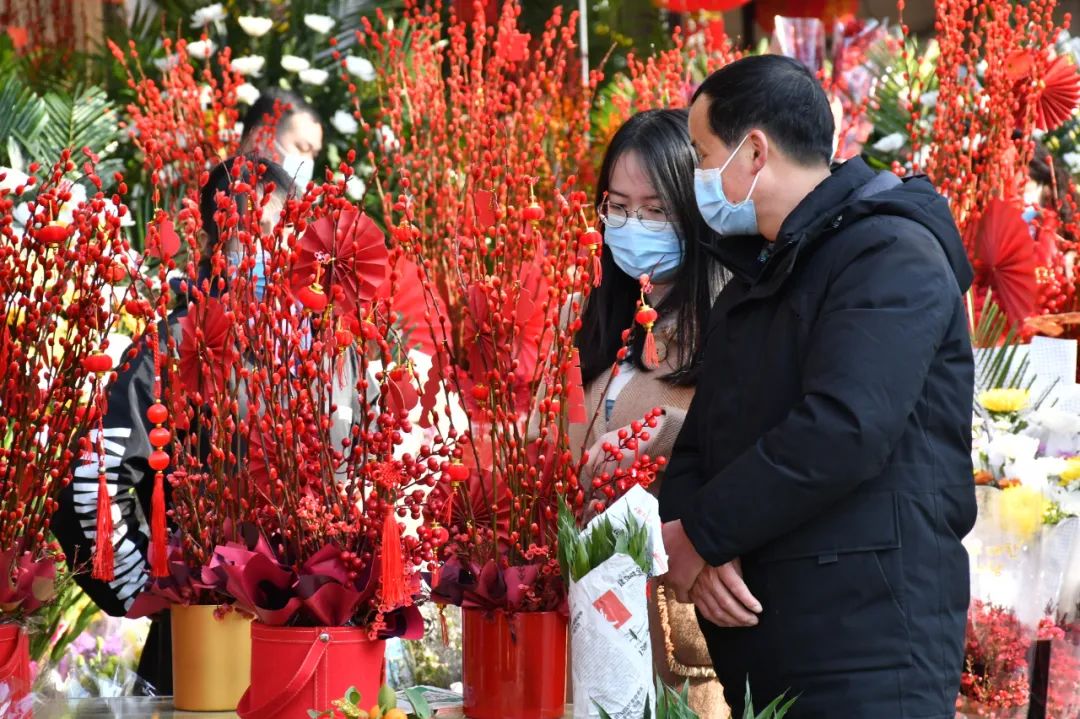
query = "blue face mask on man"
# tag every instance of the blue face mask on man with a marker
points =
(638, 250)
(721, 214)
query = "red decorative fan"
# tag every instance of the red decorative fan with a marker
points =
(699, 5)
(513, 46)
(529, 322)
(420, 312)
(347, 257)
(1005, 258)
(1060, 88)
(1060, 94)
(208, 349)
(162, 241)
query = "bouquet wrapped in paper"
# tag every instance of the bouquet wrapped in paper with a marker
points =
(607, 566)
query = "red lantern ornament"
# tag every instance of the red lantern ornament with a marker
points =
(646, 316)
(52, 234)
(313, 297)
(98, 363)
(159, 437)
(533, 213)
(159, 460)
(157, 413)
(592, 239)
(458, 472)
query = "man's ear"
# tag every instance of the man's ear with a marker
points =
(759, 142)
(204, 241)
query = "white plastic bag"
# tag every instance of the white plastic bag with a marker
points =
(609, 622)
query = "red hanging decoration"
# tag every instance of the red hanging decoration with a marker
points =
(592, 239)
(159, 550)
(394, 591)
(646, 317)
(159, 460)
(104, 562)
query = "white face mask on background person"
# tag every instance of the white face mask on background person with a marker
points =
(721, 214)
(298, 167)
(640, 250)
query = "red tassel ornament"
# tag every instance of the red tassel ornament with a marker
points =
(159, 550)
(159, 461)
(394, 592)
(104, 562)
(646, 317)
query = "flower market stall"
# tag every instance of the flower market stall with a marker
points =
(293, 416)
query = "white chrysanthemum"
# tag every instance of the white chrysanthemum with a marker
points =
(355, 188)
(164, 64)
(201, 49)
(12, 179)
(360, 67)
(292, 63)
(1072, 159)
(255, 26)
(1007, 448)
(247, 93)
(321, 24)
(248, 65)
(890, 143)
(387, 139)
(344, 122)
(314, 76)
(206, 15)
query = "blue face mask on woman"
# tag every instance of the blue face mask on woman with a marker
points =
(638, 250)
(721, 214)
(258, 272)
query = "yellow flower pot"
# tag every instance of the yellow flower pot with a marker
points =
(211, 658)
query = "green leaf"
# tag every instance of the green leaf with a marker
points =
(421, 708)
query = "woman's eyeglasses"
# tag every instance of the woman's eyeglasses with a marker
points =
(651, 217)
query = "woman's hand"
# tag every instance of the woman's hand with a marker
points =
(598, 461)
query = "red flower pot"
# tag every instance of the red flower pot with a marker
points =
(15, 666)
(295, 669)
(514, 665)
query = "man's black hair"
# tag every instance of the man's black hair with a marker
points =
(262, 111)
(777, 95)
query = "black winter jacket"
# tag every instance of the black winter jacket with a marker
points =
(829, 447)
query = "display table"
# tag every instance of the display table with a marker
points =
(145, 708)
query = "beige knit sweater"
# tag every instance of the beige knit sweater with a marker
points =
(679, 650)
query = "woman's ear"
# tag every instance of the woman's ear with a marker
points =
(204, 242)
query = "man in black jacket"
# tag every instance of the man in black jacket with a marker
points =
(817, 495)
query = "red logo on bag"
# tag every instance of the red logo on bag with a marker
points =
(613, 609)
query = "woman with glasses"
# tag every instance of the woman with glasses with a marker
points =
(651, 226)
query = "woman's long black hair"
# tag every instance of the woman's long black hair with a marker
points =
(221, 180)
(661, 139)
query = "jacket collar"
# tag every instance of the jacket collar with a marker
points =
(812, 218)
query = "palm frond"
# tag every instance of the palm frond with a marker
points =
(997, 344)
(22, 113)
(85, 118)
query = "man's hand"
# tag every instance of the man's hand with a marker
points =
(684, 562)
(723, 598)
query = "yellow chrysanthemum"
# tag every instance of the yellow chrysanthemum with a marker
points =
(1071, 473)
(1004, 401)
(1022, 510)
